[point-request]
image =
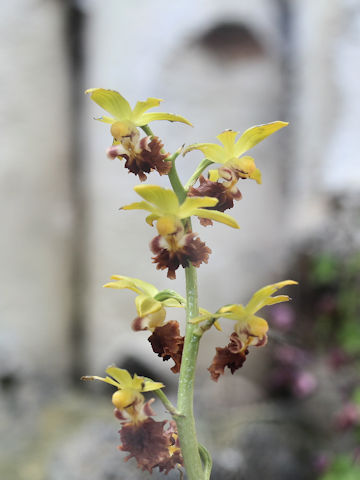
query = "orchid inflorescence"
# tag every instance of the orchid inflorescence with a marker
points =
(172, 444)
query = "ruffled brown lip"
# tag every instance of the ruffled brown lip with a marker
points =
(151, 444)
(225, 194)
(192, 250)
(142, 157)
(232, 356)
(167, 342)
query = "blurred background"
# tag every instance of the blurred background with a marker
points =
(293, 410)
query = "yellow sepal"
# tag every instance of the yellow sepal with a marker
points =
(119, 107)
(212, 151)
(164, 199)
(213, 175)
(217, 216)
(163, 203)
(134, 284)
(254, 135)
(146, 305)
(170, 117)
(112, 102)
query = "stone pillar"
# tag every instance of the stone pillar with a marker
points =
(34, 189)
(317, 103)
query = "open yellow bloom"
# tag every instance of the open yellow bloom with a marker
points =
(229, 154)
(119, 108)
(167, 211)
(251, 329)
(128, 395)
(174, 246)
(150, 302)
(141, 155)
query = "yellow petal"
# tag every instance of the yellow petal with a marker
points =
(135, 284)
(137, 383)
(138, 206)
(254, 135)
(256, 175)
(212, 151)
(227, 138)
(186, 209)
(166, 200)
(217, 216)
(120, 285)
(122, 376)
(234, 312)
(150, 117)
(142, 107)
(213, 175)
(277, 299)
(105, 119)
(112, 102)
(263, 296)
(204, 315)
(217, 326)
(150, 385)
(106, 380)
(150, 219)
(145, 305)
(172, 302)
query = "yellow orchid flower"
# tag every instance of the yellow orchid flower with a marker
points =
(141, 155)
(150, 302)
(128, 395)
(228, 154)
(251, 329)
(174, 246)
(166, 209)
(120, 109)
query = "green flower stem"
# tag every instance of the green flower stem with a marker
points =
(176, 184)
(166, 402)
(200, 168)
(186, 422)
(197, 460)
(147, 130)
(201, 329)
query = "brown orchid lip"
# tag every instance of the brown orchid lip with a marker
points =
(188, 249)
(232, 356)
(167, 343)
(225, 192)
(151, 443)
(145, 156)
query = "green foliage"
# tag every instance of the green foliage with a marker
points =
(336, 280)
(343, 468)
(324, 269)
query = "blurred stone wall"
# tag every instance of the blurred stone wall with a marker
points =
(227, 65)
(35, 179)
